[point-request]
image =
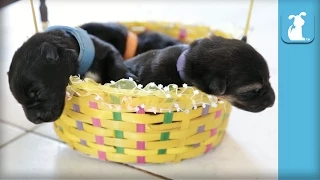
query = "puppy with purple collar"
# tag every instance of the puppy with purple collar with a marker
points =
(230, 69)
(40, 69)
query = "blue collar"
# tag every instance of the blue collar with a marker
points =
(87, 50)
(181, 64)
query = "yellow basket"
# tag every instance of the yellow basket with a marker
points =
(124, 122)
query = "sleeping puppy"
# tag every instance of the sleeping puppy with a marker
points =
(128, 44)
(41, 67)
(227, 68)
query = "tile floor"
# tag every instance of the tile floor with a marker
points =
(248, 151)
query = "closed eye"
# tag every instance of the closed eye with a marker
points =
(250, 94)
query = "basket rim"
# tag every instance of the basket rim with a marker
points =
(173, 98)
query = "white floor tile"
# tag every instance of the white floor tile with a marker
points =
(47, 130)
(11, 111)
(230, 160)
(14, 30)
(8, 133)
(36, 157)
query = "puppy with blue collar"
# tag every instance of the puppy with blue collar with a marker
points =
(41, 67)
(230, 69)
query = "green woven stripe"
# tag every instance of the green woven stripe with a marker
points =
(168, 118)
(165, 135)
(162, 151)
(117, 133)
(120, 150)
(117, 116)
(225, 116)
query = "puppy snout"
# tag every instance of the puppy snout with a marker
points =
(268, 103)
(38, 116)
(272, 98)
(35, 117)
(271, 104)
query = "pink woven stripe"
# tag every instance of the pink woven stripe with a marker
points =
(141, 145)
(141, 110)
(102, 155)
(208, 148)
(100, 140)
(96, 122)
(183, 33)
(141, 159)
(93, 105)
(141, 128)
(213, 132)
(218, 114)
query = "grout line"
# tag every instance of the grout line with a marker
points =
(147, 172)
(48, 137)
(127, 165)
(14, 139)
(32, 130)
(14, 125)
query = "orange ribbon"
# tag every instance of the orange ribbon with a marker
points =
(131, 45)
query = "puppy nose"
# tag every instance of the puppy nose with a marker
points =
(271, 98)
(271, 104)
(268, 103)
(38, 118)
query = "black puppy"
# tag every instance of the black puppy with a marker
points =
(41, 67)
(117, 35)
(228, 68)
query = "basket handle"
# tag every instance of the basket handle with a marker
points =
(245, 34)
(34, 16)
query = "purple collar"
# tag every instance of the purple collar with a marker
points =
(180, 65)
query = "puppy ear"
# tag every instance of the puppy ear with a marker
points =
(303, 14)
(291, 16)
(244, 38)
(195, 42)
(218, 85)
(49, 51)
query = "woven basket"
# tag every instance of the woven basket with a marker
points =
(125, 122)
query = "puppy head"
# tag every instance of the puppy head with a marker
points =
(39, 74)
(232, 70)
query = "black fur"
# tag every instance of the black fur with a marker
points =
(214, 65)
(41, 67)
(116, 34)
